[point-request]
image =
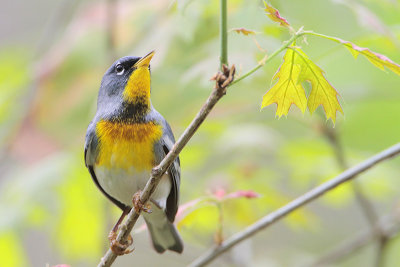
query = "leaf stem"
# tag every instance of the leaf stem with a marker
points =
(270, 57)
(319, 35)
(223, 33)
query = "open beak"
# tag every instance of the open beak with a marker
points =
(144, 61)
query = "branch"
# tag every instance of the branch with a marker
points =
(295, 204)
(389, 225)
(365, 204)
(363, 201)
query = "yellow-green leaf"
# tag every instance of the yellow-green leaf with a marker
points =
(274, 15)
(287, 90)
(378, 60)
(244, 31)
(295, 69)
(322, 92)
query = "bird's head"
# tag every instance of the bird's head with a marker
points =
(127, 81)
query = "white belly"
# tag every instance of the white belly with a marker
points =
(122, 184)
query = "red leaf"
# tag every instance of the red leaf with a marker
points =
(274, 15)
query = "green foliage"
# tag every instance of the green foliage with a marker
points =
(297, 68)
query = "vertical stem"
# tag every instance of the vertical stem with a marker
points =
(223, 33)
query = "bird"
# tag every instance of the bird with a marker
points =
(125, 140)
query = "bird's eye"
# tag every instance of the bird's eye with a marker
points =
(119, 69)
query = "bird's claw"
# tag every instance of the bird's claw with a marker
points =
(120, 248)
(138, 205)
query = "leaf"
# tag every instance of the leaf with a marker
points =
(274, 15)
(322, 92)
(287, 90)
(379, 60)
(244, 31)
(295, 69)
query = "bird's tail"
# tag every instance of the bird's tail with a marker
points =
(163, 233)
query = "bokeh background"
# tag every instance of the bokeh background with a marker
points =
(52, 58)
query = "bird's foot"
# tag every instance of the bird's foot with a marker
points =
(120, 248)
(138, 205)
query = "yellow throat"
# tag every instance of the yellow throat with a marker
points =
(137, 88)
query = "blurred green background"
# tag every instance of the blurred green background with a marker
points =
(52, 58)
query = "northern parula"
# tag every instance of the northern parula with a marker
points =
(124, 141)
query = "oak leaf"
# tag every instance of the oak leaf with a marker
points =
(287, 90)
(379, 60)
(274, 15)
(322, 92)
(296, 69)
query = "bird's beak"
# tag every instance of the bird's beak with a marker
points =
(144, 61)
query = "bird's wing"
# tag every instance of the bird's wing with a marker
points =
(91, 143)
(174, 171)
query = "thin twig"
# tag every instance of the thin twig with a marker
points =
(365, 204)
(363, 201)
(390, 225)
(295, 204)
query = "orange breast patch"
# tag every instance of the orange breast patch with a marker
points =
(125, 146)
